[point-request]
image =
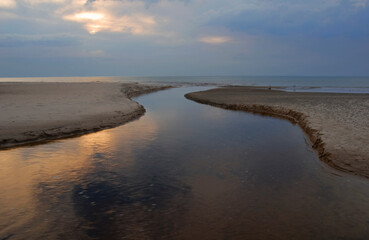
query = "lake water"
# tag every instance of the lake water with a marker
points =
(182, 171)
(290, 83)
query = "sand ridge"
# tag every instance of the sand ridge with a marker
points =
(35, 112)
(337, 124)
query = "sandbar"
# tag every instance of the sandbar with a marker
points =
(336, 123)
(36, 112)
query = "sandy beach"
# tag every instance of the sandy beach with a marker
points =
(337, 124)
(35, 112)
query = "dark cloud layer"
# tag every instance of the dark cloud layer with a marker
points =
(16, 40)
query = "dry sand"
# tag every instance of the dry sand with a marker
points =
(337, 124)
(34, 112)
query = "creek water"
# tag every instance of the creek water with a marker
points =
(182, 171)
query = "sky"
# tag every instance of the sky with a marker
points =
(40, 38)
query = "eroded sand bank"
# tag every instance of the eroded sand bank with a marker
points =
(337, 124)
(34, 112)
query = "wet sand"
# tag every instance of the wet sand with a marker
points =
(337, 124)
(35, 112)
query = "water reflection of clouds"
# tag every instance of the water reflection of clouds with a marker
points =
(39, 179)
(21, 177)
(123, 199)
(214, 114)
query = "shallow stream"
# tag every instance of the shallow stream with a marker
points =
(182, 171)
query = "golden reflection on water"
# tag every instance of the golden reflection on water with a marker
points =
(29, 172)
(21, 172)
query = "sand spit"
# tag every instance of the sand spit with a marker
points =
(337, 124)
(36, 112)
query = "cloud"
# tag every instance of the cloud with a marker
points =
(215, 39)
(35, 2)
(111, 16)
(98, 53)
(45, 40)
(96, 22)
(304, 18)
(359, 3)
(8, 4)
(155, 34)
(8, 15)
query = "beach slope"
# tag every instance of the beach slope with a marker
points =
(337, 124)
(35, 112)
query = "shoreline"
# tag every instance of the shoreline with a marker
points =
(79, 108)
(233, 101)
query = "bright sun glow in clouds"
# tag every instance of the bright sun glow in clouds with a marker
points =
(7, 4)
(96, 22)
(89, 16)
